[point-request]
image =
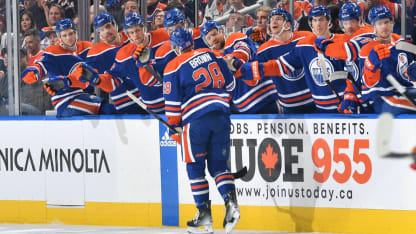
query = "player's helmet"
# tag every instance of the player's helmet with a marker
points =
(173, 17)
(349, 11)
(208, 26)
(283, 12)
(318, 11)
(133, 19)
(378, 13)
(181, 38)
(103, 18)
(64, 24)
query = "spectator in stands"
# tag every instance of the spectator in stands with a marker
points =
(28, 3)
(237, 21)
(32, 97)
(158, 20)
(55, 13)
(216, 9)
(49, 38)
(300, 8)
(69, 7)
(153, 6)
(32, 38)
(40, 13)
(26, 23)
(258, 34)
(130, 6)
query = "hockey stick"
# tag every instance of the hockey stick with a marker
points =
(144, 107)
(322, 64)
(406, 46)
(402, 90)
(238, 174)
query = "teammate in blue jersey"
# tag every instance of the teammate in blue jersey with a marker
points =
(126, 63)
(58, 62)
(196, 89)
(174, 19)
(380, 57)
(357, 34)
(102, 56)
(304, 55)
(294, 94)
(248, 97)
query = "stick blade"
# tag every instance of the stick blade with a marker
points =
(338, 75)
(241, 173)
(384, 131)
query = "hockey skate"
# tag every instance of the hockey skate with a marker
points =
(232, 213)
(202, 223)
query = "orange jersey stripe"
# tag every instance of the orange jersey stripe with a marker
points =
(202, 100)
(224, 177)
(256, 95)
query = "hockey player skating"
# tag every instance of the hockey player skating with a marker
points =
(294, 94)
(248, 97)
(197, 103)
(380, 58)
(58, 63)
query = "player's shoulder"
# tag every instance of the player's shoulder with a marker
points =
(307, 41)
(365, 50)
(99, 48)
(126, 51)
(158, 37)
(163, 50)
(235, 36)
(55, 49)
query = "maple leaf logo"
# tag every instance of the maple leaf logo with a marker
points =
(269, 158)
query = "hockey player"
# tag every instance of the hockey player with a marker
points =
(101, 57)
(199, 108)
(381, 58)
(294, 94)
(126, 63)
(304, 55)
(58, 62)
(248, 97)
(357, 34)
(173, 19)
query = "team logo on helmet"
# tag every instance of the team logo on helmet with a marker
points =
(103, 18)
(133, 19)
(173, 17)
(402, 64)
(316, 71)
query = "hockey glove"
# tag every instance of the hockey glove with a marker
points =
(89, 74)
(233, 63)
(411, 71)
(349, 104)
(55, 83)
(256, 35)
(142, 55)
(30, 75)
(75, 78)
(176, 136)
(321, 43)
(378, 53)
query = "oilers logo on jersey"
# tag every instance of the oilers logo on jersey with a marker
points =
(402, 64)
(166, 140)
(316, 73)
(295, 75)
(351, 67)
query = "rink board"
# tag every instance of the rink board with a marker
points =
(305, 173)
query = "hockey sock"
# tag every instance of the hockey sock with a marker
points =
(200, 191)
(225, 183)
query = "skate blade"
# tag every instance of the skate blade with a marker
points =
(201, 230)
(230, 226)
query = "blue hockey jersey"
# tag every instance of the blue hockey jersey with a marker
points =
(196, 83)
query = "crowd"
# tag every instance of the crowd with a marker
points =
(294, 82)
